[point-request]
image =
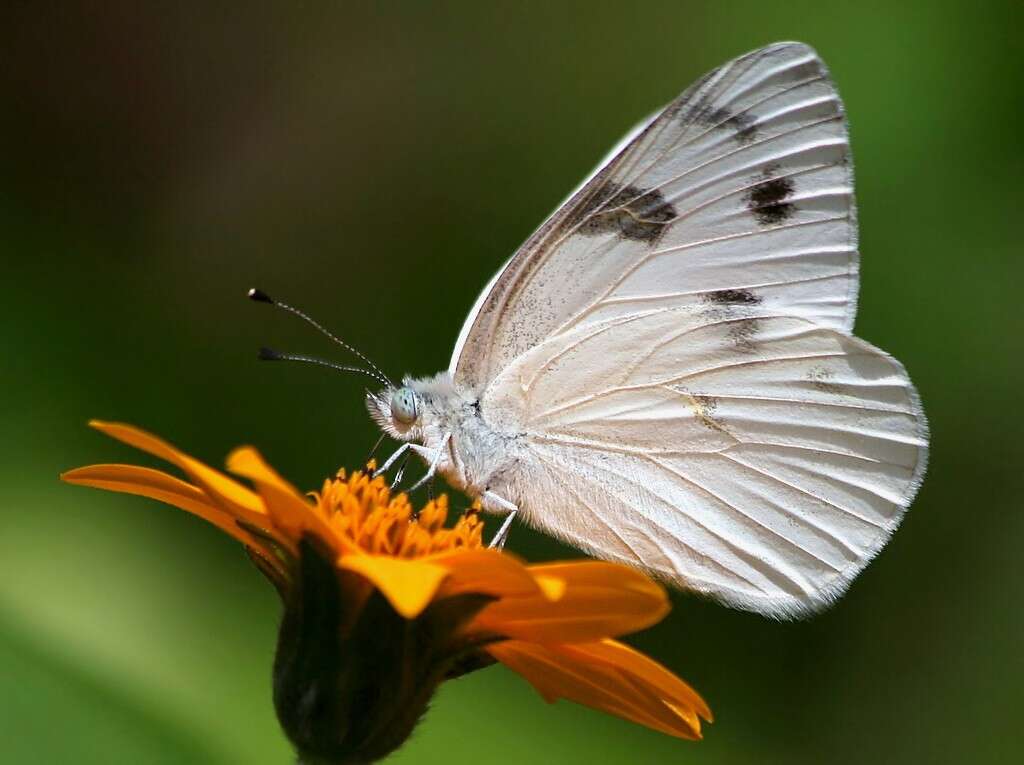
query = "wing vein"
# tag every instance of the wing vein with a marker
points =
(814, 496)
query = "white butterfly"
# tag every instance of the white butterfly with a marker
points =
(664, 374)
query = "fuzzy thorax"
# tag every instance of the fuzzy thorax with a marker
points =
(475, 458)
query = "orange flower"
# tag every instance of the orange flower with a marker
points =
(383, 603)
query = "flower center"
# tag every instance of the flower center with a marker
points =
(362, 510)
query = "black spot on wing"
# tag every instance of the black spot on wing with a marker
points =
(733, 297)
(767, 199)
(743, 125)
(628, 211)
(734, 307)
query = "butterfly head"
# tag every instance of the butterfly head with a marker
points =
(396, 410)
(405, 407)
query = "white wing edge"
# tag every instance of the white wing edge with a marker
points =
(615, 151)
(467, 325)
(792, 607)
(853, 295)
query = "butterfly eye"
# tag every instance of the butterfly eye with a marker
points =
(404, 406)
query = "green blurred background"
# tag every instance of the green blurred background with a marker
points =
(375, 164)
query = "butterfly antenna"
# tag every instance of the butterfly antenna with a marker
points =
(268, 354)
(262, 297)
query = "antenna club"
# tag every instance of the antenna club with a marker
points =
(268, 354)
(262, 297)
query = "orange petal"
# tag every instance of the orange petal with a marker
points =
(289, 510)
(645, 669)
(486, 571)
(556, 675)
(409, 585)
(146, 482)
(552, 587)
(600, 600)
(234, 497)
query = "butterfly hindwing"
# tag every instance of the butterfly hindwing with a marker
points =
(766, 479)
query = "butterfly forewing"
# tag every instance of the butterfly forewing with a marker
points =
(742, 184)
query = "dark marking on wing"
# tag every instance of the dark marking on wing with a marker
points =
(821, 379)
(735, 306)
(767, 199)
(709, 403)
(733, 297)
(742, 334)
(743, 124)
(628, 211)
(705, 408)
(688, 106)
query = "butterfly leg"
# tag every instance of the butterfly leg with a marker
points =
(400, 473)
(492, 499)
(391, 460)
(433, 455)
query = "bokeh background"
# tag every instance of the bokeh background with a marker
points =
(375, 164)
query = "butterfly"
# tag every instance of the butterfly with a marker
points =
(665, 374)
